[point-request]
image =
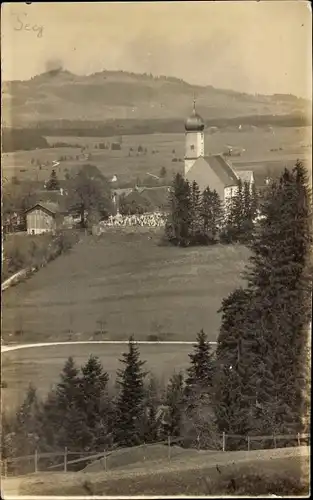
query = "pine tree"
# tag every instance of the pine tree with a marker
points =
(280, 278)
(174, 402)
(217, 216)
(200, 372)
(26, 424)
(62, 411)
(228, 381)
(234, 220)
(195, 213)
(178, 226)
(152, 402)
(261, 379)
(94, 404)
(53, 183)
(129, 428)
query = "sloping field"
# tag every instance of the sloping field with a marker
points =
(281, 147)
(124, 284)
(42, 366)
(280, 472)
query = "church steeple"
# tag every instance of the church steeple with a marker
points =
(194, 138)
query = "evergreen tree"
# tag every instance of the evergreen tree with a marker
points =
(178, 226)
(261, 379)
(227, 379)
(217, 216)
(234, 220)
(129, 427)
(211, 215)
(174, 402)
(62, 413)
(152, 404)
(26, 432)
(280, 278)
(195, 213)
(200, 372)
(94, 404)
(53, 183)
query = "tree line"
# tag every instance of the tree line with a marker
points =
(197, 218)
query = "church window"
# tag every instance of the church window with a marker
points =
(192, 147)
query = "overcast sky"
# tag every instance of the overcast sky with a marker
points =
(262, 47)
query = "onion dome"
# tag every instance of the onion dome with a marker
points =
(194, 123)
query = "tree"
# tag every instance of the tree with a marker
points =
(89, 194)
(211, 215)
(280, 276)
(195, 213)
(174, 403)
(262, 380)
(94, 405)
(53, 182)
(62, 418)
(200, 372)
(177, 229)
(129, 429)
(26, 424)
(234, 219)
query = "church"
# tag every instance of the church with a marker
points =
(209, 170)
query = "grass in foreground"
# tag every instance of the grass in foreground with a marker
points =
(280, 472)
(124, 284)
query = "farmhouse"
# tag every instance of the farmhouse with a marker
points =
(43, 217)
(209, 170)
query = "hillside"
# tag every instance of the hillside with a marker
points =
(107, 95)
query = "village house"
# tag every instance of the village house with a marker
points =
(44, 217)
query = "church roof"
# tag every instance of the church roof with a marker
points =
(222, 169)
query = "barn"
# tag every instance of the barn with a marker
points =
(43, 218)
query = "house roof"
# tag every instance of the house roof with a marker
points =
(220, 167)
(52, 208)
(157, 196)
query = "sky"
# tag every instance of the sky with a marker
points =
(248, 46)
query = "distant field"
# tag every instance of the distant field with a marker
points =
(283, 472)
(124, 284)
(129, 165)
(42, 366)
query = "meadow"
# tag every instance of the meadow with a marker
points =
(281, 145)
(280, 472)
(41, 366)
(122, 284)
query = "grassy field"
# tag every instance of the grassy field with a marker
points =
(289, 143)
(42, 366)
(122, 284)
(281, 472)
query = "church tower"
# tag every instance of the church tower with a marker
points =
(194, 139)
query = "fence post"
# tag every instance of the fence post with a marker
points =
(248, 443)
(144, 451)
(224, 441)
(169, 446)
(65, 459)
(298, 437)
(36, 460)
(274, 438)
(105, 460)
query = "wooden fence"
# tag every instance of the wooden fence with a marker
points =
(8, 469)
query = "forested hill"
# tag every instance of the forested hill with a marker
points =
(119, 95)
